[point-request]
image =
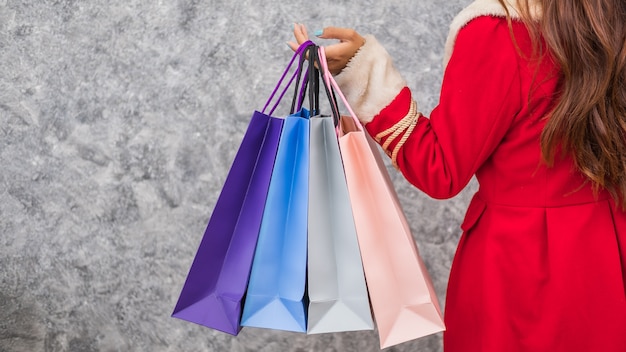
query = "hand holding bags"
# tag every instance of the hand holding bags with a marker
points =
(218, 276)
(403, 299)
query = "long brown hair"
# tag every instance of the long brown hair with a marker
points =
(587, 38)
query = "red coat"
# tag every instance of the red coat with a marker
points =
(541, 264)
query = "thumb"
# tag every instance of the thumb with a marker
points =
(341, 34)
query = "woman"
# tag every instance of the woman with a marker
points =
(533, 103)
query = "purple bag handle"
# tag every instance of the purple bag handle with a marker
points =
(297, 54)
(309, 78)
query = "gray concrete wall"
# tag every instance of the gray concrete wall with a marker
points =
(118, 123)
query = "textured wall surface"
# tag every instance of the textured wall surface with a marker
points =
(118, 123)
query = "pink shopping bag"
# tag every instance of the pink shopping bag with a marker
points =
(403, 299)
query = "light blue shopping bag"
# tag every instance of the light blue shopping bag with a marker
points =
(275, 297)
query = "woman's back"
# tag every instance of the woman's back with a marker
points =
(515, 173)
(539, 266)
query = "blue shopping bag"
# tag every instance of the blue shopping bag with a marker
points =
(276, 292)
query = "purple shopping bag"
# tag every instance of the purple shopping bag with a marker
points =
(219, 274)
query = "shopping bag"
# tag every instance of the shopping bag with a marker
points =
(338, 298)
(403, 299)
(275, 298)
(218, 277)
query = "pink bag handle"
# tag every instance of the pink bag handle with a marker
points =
(330, 81)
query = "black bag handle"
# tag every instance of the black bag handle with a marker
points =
(330, 92)
(310, 83)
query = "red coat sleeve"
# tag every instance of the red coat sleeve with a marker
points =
(480, 97)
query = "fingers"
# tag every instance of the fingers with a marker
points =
(293, 46)
(303, 31)
(337, 55)
(300, 34)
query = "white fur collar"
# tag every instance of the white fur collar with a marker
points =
(476, 9)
